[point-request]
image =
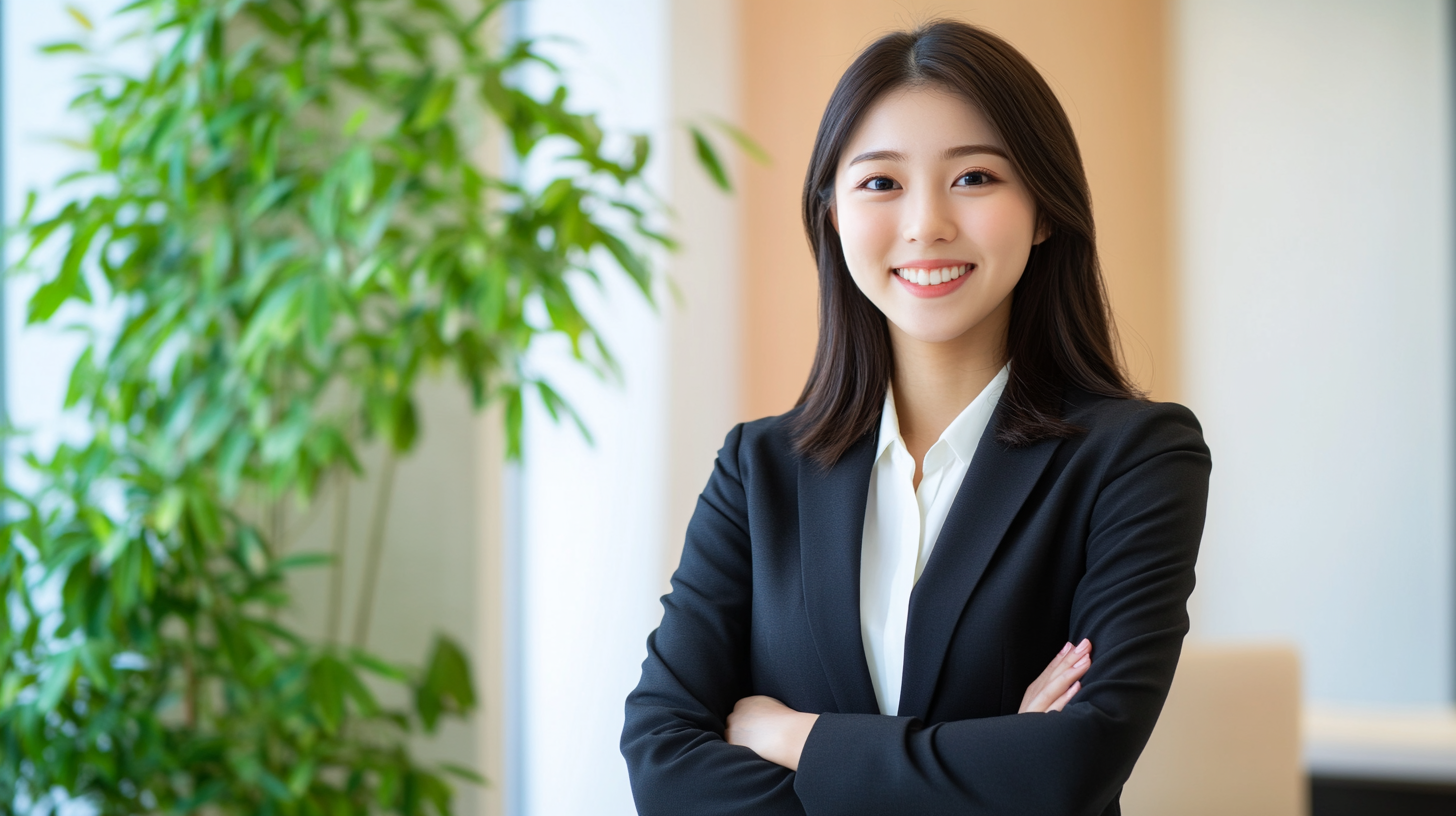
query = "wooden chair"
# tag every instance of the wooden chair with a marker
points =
(1228, 741)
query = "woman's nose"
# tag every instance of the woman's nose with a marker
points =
(929, 219)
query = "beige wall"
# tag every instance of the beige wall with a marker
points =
(1105, 60)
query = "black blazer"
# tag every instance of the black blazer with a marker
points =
(1092, 536)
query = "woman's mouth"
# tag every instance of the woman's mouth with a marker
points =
(933, 282)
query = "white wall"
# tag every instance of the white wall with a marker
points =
(601, 522)
(593, 515)
(703, 327)
(1315, 214)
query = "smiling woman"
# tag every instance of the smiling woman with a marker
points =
(880, 590)
(893, 205)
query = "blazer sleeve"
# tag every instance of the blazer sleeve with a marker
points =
(1131, 601)
(697, 669)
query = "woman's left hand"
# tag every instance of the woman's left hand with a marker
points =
(1060, 680)
(771, 729)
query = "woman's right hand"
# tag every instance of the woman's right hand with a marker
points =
(1061, 680)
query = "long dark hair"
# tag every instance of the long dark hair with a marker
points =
(1061, 331)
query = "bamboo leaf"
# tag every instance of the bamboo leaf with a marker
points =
(448, 677)
(358, 180)
(302, 561)
(208, 429)
(708, 158)
(326, 692)
(318, 314)
(435, 106)
(557, 406)
(58, 676)
(404, 424)
(204, 516)
(514, 411)
(169, 510)
(63, 48)
(746, 143)
(283, 440)
(356, 121)
(641, 151)
(94, 666)
(355, 690)
(382, 668)
(462, 772)
(231, 459)
(80, 17)
(269, 195)
(50, 296)
(83, 378)
(632, 263)
(146, 572)
(301, 776)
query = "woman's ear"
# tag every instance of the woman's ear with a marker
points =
(826, 197)
(1043, 231)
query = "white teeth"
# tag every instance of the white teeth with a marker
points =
(931, 277)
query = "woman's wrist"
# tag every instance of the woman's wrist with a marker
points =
(770, 729)
(796, 736)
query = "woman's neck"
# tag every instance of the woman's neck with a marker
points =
(934, 382)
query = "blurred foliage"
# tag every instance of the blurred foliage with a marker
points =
(291, 215)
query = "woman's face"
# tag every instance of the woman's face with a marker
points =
(935, 224)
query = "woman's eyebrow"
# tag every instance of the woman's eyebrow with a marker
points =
(950, 153)
(971, 150)
(877, 155)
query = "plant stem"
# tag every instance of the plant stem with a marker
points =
(341, 539)
(189, 708)
(290, 534)
(376, 550)
(275, 527)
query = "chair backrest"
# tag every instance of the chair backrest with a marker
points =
(1228, 740)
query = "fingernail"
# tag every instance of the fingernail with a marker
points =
(1080, 663)
(1065, 649)
(1084, 645)
(1076, 685)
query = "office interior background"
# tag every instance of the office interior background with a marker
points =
(1273, 184)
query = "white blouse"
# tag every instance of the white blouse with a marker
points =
(901, 525)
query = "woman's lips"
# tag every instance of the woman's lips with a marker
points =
(933, 282)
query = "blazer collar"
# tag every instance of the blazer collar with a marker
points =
(996, 485)
(831, 531)
(963, 434)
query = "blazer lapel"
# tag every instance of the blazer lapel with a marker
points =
(995, 487)
(831, 532)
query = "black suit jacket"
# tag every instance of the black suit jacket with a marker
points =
(1092, 536)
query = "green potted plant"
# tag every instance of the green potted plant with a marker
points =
(289, 210)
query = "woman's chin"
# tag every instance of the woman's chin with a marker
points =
(932, 332)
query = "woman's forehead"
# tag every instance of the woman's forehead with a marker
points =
(919, 121)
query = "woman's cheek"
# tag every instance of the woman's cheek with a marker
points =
(1004, 231)
(866, 239)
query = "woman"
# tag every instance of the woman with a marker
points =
(873, 583)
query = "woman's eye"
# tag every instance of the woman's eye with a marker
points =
(879, 184)
(975, 178)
